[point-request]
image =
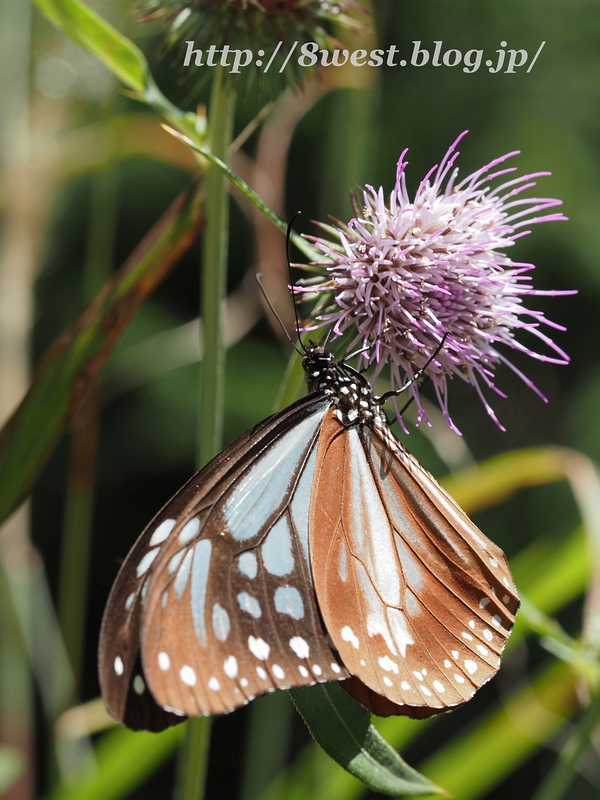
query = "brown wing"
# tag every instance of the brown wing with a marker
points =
(418, 602)
(217, 593)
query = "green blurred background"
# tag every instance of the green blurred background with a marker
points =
(98, 177)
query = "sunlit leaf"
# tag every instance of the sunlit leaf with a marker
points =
(89, 30)
(342, 727)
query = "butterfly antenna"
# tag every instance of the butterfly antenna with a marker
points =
(288, 236)
(258, 278)
(418, 375)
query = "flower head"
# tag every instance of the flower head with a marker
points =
(405, 274)
(270, 26)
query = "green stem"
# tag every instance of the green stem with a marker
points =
(77, 533)
(193, 760)
(214, 275)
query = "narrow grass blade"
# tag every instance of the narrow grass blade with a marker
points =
(124, 759)
(66, 372)
(479, 759)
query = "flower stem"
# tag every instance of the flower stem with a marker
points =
(192, 766)
(214, 275)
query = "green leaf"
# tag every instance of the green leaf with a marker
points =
(494, 480)
(124, 759)
(12, 765)
(75, 359)
(341, 726)
(89, 30)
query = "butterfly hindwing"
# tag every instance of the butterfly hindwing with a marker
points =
(432, 598)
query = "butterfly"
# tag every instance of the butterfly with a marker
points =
(313, 548)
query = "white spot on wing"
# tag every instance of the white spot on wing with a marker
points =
(303, 671)
(138, 685)
(144, 564)
(471, 666)
(484, 602)
(175, 561)
(348, 635)
(447, 663)
(387, 681)
(162, 532)
(189, 531)
(483, 650)
(439, 686)
(299, 646)
(386, 663)
(259, 648)
(316, 670)
(220, 622)
(288, 600)
(487, 634)
(496, 620)
(200, 567)
(406, 686)
(187, 675)
(214, 684)
(164, 662)
(249, 604)
(336, 668)
(183, 574)
(425, 690)
(277, 549)
(261, 673)
(459, 679)
(119, 665)
(248, 564)
(467, 636)
(278, 672)
(129, 601)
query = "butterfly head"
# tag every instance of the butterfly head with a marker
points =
(350, 392)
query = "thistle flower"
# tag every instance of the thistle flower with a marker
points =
(264, 27)
(407, 273)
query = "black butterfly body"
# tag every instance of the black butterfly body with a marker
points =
(312, 548)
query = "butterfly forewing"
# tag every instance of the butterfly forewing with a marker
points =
(431, 599)
(228, 604)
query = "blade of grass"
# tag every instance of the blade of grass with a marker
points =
(560, 777)
(124, 760)
(481, 757)
(79, 503)
(66, 372)
(192, 767)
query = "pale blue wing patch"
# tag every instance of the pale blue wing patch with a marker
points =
(262, 491)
